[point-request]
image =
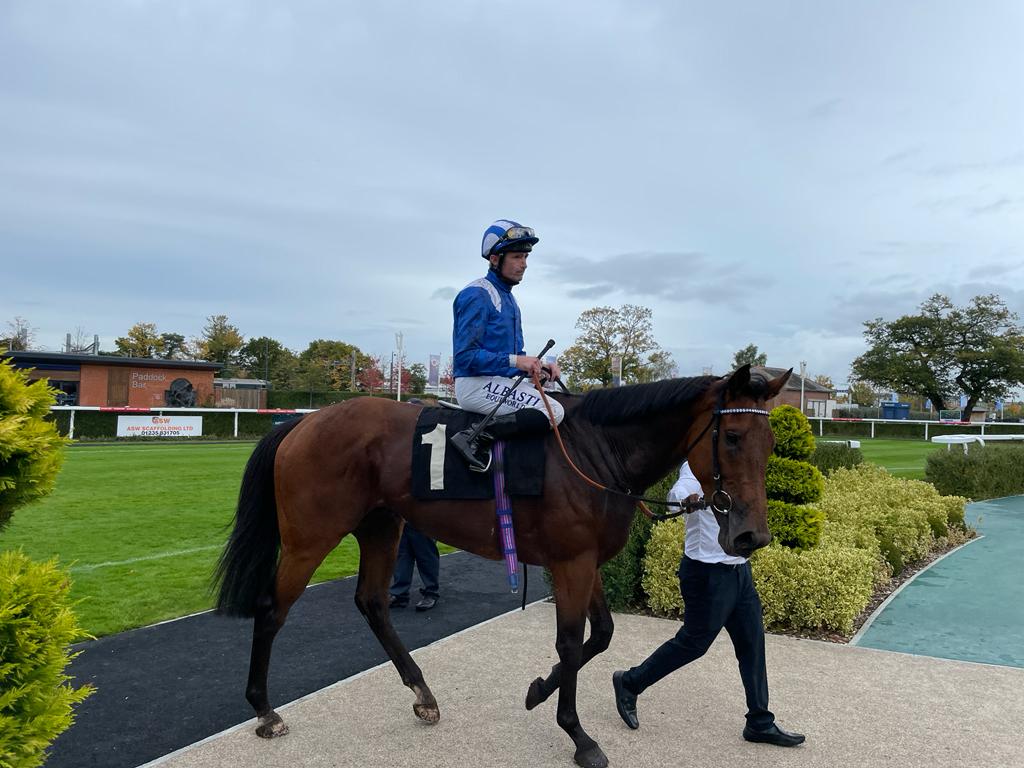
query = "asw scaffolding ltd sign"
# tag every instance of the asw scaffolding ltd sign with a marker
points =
(159, 426)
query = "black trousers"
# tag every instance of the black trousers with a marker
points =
(715, 596)
(416, 548)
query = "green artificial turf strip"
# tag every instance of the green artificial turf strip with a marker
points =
(903, 458)
(141, 527)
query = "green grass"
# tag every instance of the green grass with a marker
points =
(903, 458)
(141, 527)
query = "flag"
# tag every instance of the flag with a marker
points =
(434, 371)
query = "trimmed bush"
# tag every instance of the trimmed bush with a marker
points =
(30, 446)
(621, 576)
(824, 588)
(984, 473)
(36, 628)
(828, 457)
(793, 436)
(792, 481)
(798, 527)
(906, 516)
(661, 567)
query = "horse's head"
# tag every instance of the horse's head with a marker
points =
(730, 459)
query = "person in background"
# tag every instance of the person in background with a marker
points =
(414, 548)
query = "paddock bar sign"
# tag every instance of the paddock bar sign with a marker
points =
(159, 426)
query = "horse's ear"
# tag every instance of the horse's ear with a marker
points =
(775, 385)
(739, 380)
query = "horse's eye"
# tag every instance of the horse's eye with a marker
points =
(732, 439)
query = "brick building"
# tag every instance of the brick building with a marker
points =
(134, 382)
(816, 397)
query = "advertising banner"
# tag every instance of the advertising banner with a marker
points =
(434, 371)
(170, 425)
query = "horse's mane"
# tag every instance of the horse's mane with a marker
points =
(619, 405)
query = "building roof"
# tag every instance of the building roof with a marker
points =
(794, 381)
(30, 359)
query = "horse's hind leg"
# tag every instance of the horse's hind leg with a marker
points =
(378, 537)
(601, 628)
(293, 574)
(574, 584)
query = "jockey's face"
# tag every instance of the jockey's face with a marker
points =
(513, 267)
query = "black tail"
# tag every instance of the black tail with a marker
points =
(248, 563)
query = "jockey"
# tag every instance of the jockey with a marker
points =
(489, 349)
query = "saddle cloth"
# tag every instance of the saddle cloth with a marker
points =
(438, 472)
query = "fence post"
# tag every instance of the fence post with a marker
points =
(71, 426)
(872, 430)
(926, 431)
(236, 423)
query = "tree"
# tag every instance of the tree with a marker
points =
(825, 381)
(326, 364)
(174, 347)
(416, 376)
(266, 358)
(749, 356)
(220, 343)
(142, 340)
(606, 332)
(945, 349)
(20, 335)
(371, 378)
(862, 393)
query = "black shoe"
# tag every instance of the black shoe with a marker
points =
(398, 602)
(625, 701)
(773, 735)
(477, 457)
(426, 603)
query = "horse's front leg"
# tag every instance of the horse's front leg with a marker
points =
(573, 586)
(601, 629)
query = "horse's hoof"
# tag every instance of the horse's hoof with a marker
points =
(427, 714)
(535, 694)
(592, 757)
(271, 726)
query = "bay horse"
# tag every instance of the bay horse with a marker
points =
(346, 469)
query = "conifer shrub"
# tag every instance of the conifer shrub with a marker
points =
(37, 627)
(793, 481)
(30, 446)
(797, 526)
(828, 457)
(794, 438)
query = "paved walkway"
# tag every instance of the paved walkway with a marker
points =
(858, 707)
(970, 604)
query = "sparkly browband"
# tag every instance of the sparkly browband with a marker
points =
(741, 410)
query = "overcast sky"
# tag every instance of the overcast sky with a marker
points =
(768, 173)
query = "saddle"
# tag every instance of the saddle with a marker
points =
(438, 472)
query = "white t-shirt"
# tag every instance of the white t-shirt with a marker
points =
(701, 526)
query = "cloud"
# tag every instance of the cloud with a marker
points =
(897, 158)
(824, 109)
(447, 293)
(1015, 160)
(994, 207)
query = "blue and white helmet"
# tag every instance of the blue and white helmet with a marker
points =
(506, 235)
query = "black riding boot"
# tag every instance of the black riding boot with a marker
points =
(477, 453)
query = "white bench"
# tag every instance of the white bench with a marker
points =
(966, 440)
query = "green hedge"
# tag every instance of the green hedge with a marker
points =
(909, 431)
(906, 516)
(795, 482)
(100, 425)
(828, 457)
(822, 588)
(661, 567)
(37, 627)
(796, 526)
(792, 430)
(984, 473)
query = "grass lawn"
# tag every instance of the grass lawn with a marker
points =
(903, 458)
(141, 527)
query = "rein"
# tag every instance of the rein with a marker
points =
(721, 501)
